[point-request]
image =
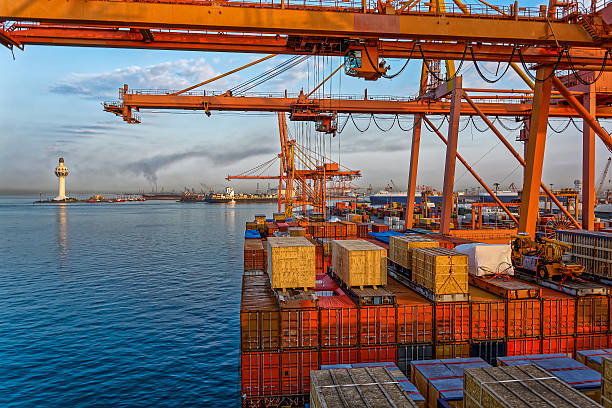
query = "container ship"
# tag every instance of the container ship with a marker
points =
(387, 197)
(352, 297)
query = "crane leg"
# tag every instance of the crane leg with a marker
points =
(451, 157)
(530, 200)
(588, 163)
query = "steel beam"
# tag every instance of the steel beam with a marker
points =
(114, 37)
(273, 103)
(310, 20)
(588, 163)
(451, 156)
(530, 199)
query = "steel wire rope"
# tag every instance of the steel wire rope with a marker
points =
(399, 124)
(501, 122)
(357, 127)
(535, 78)
(437, 128)
(550, 126)
(456, 70)
(381, 129)
(382, 74)
(491, 81)
(578, 77)
(479, 160)
(467, 123)
(476, 127)
(275, 74)
(269, 71)
(518, 166)
(345, 122)
(575, 125)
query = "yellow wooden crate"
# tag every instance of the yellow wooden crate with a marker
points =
(606, 382)
(401, 246)
(291, 262)
(296, 231)
(359, 263)
(440, 270)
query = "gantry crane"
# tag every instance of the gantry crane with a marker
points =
(555, 36)
(304, 174)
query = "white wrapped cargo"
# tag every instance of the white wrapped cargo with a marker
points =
(487, 259)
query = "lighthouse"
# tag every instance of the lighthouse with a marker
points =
(61, 172)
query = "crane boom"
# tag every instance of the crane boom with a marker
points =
(602, 180)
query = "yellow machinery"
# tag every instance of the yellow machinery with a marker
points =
(544, 256)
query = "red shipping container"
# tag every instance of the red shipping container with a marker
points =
(558, 313)
(341, 230)
(377, 354)
(561, 344)
(591, 342)
(260, 373)
(254, 258)
(414, 314)
(488, 315)
(521, 347)
(362, 231)
(295, 370)
(339, 356)
(452, 321)
(592, 314)
(379, 227)
(339, 321)
(523, 318)
(299, 328)
(377, 324)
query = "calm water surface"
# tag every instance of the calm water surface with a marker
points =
(127, 304)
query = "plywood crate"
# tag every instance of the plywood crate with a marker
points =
(526, 386)
(401, 246)
(296, 231)
(352, 387)
(291, 263)
(359, 263)
(606, 382)
(439, 270)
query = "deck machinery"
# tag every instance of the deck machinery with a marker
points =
(543, 256)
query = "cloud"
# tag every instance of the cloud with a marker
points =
(167, 75)
(218, 156)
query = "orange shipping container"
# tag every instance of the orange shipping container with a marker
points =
(592, 314)
(260, 374)
(377, 324)
(523, 318)
(558, 313)
(254, 258)
(452, 320)
(377, 354)
(562, 344)
(339, 356)
(295, 370)
(299, 328)
(591, 342)
(259, 315)
(521, 347)
(414, 314)
(488, 315)
(339, 321)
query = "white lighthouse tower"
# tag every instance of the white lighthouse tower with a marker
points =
(61, 172)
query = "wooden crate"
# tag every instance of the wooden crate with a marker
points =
(401, 246)
(524, 386)
(359, 263)
(439, 270)
(352, 387)
(291, 263)
(296, 231)
(606, 382)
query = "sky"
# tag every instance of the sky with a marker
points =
(51, 106)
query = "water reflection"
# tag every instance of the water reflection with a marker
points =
(62, 235)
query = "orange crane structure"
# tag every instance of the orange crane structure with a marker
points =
(557, 36)
(302, 171)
